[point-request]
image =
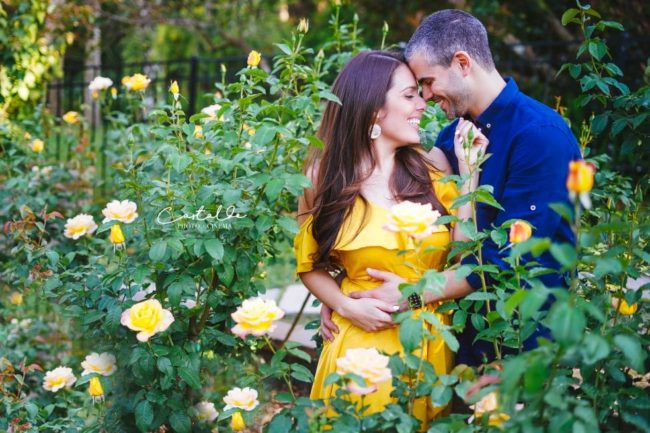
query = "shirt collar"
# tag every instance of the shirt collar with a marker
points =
(497, 107)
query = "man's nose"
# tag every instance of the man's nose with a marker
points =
(427, 94)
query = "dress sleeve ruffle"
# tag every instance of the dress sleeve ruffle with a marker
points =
(305, 246)
(446, 193)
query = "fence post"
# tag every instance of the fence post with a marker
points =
(194, 82)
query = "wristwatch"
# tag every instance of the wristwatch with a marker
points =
(415, 301)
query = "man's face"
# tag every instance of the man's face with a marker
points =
(444, 86)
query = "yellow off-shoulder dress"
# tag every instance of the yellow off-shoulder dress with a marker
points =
(374, 247)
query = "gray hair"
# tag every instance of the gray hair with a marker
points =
(443, 33)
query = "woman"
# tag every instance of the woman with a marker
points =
(372, 160)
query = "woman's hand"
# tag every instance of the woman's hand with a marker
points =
(468, 158)
(368, 314)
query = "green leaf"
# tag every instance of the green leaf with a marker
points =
(180, 422)
(411, 333)
(606, 266)
(280, 424)
(483, 196)
(288, 224)
(594, 349)
(143, 415)
(165, 366)
(569, 15)
(264, 135)
(190, 375)
(632, 350)
(214, 247)
(441, 395)
(567, 322)
(565, 254)
(563, 210)
(534, 377)
(158, 251)
(597, 49)
(514, 300)
(273, 189)
(324, 94)
(481, 296)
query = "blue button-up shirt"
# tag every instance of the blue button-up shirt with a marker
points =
(531, 147)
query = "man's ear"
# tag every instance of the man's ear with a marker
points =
(463, 62)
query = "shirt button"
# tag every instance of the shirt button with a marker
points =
(533, 207)
(489, 125)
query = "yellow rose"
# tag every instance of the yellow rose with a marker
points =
(79, 226)
(520, 231)
(174, 90)
(237, 422)
(255, 316)
(254, 58)
(198, 131)
(113, 92)
(148, 318)
(95, 388)
(245, 399)
(124, 211)
(624, 308)
(415, 219)
(581, 176)
(71, 117)
(16, 298)
(367, 363)
(103, 364)
(489, 405)
(38, 145)
(116, 237)
(136, 82)
(205, 411)
(303, 26)
(58, 378)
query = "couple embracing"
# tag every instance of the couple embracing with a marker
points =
(372, 160)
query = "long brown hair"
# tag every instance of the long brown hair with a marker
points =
(361, 86)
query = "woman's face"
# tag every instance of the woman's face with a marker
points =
(399, 118)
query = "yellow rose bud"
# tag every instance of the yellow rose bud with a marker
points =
(16, 298)
(237, 422)
(70, 37)
(28, 136)
(198, 131)
(38, 145)
(625, 309)
(520, 231)
(71, 117)
(303, 26)
(415, 219)
(113, 92)
(95, 94)
(254, 58)
(116, 237)
(581, 176)
(95, 388)
(126, 79)
(174, 90)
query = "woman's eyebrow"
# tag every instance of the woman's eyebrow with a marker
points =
(409, 88)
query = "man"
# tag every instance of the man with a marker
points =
(530, 146)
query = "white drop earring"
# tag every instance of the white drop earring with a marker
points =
(375, 131)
